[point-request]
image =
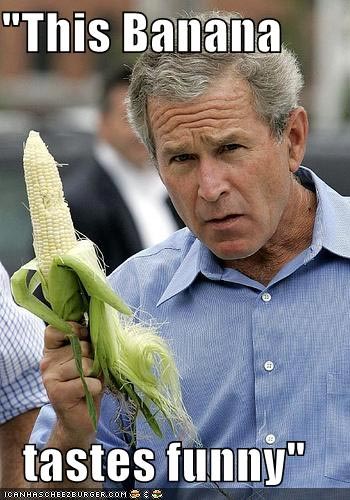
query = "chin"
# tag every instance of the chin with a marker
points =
(234, 252)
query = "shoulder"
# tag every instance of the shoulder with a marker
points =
(88, 185)
(80, 174)
(165, 257)
(151, 270)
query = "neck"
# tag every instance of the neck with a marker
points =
(293, 235)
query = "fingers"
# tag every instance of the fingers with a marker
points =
(62, 355)
(68, 370)
(58, 353)
(55, 339)
(66, 395)
(63, 384)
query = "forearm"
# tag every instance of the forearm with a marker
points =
(14, 434)
(64, 439)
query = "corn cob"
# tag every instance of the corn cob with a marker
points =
(46, 204)
(133, 359)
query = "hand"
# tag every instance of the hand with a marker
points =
(64, 387)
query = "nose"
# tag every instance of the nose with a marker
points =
(212, 182)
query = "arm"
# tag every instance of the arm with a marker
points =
(14, 434)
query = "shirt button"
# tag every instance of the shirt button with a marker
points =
(269, 366)
(266, 297)
(270, 439)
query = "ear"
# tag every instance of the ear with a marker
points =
(296, 136)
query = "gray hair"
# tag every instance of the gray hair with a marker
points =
(275, 80)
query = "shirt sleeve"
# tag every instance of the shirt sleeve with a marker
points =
(21, 347)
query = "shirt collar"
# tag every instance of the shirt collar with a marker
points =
(332, 221)
(331, 231)
(198, 260)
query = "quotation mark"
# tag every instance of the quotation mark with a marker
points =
(296, 448)
(10, 18)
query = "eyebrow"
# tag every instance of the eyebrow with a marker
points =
(176, 150)
(229, 138)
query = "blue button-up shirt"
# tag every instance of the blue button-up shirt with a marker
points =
(260, 365)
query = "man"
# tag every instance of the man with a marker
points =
(21, 390)
(130, 209)
(253, 295)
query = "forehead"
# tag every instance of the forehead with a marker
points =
(227, 104)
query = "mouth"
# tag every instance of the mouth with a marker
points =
(224, 222)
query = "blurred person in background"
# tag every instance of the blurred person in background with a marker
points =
(119, 201)
(21, 390)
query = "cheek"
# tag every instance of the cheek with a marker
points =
(181, 199)
(182, 196)
(272, 178)
(276, 196)
(278, 188)
(264, 197)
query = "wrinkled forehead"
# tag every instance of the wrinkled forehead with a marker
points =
(225, 110)
(225, 99)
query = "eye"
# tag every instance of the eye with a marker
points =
(181, 158)
(230, 147)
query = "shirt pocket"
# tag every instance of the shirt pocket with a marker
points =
(337, 456)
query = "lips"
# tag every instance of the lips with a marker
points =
(225, 218)
(224, 222)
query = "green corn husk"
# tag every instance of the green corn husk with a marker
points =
(135, 362)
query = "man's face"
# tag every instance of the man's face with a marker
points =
(115, 129)
(226, 174)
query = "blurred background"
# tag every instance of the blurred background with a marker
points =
(58, 94)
